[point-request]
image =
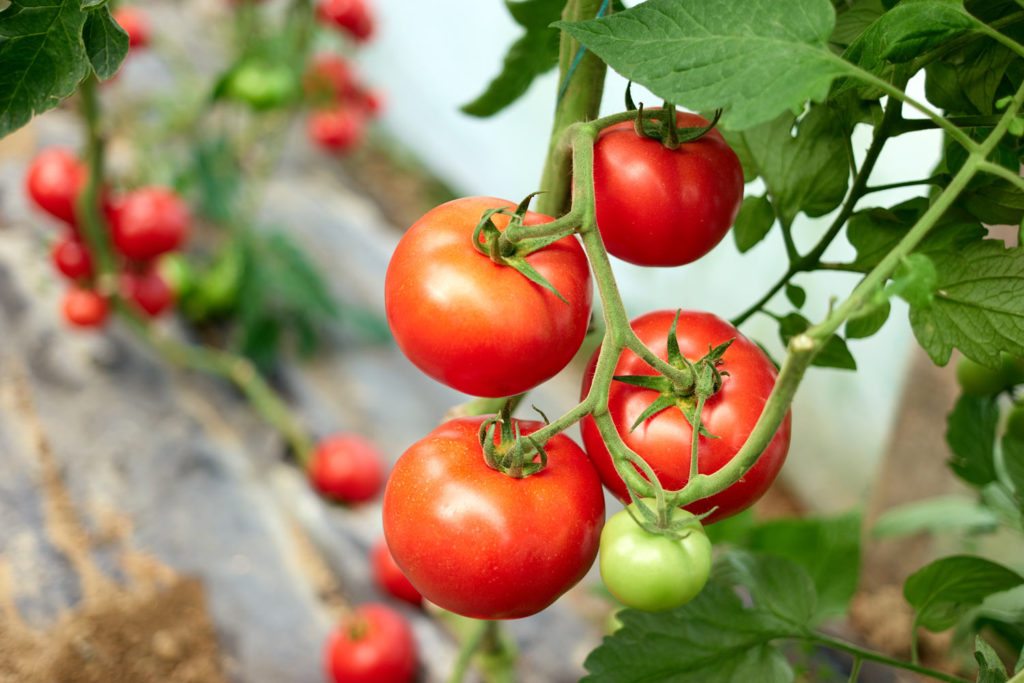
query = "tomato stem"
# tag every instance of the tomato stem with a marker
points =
(868, 655)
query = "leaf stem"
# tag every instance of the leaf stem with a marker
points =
(1002, 172)
(855, 670)
(861, 653)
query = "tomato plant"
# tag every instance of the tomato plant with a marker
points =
(484, 544)
(389, 578)
(347, 467)
(148, 290)
(349, 16)
(54, 180)
(663, 440)
(371, 644)
(149, 221)
(329, 78)
(338, 129)
(84, 307)
(478, 326)
(71, 257)
(654, 571)
(658, 206)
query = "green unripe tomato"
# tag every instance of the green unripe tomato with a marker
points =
(261, 85)
(653, 572)
(177, 272)
(1015, 422)
(978, 380)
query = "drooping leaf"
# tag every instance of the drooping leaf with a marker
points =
(977, 307)
(533, 54)
(990, 667)
(754, 59)
(944, 590)
(753, 222)
(966, 80)
(106, 42)
(796, 295)
(971, 435)
(869, 323)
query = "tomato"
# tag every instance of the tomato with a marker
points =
(651, 571)
(71, 257)
(84, 307)
(147, 290)
(148, 222)
(979, 380)
(372, 644)
(351, 16)
(261, 85)
(481, 543)
(662, 207)
(54, 180)
(135, 24)
(479, 327)
(347, 467)
(339, 129)
(372, 101)
(389, 578)
(329, 78)
(664, 439)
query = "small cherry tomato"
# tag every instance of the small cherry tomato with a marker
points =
(389, 578)
(84, 307)
(980, 380)
(351, 16)
(54, 180)
(347, 467)
(148, 290)
(661, 207)
(135, 23)
(339, 129)
(329, 78)
(372, 644)
(71, 257)
(148, 222)
(261, 85)
(649, 571)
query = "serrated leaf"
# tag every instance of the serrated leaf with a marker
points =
(796, 295)
(42, 55)
(990, 667)
(715, 637)
(828, 548)
(753, 222)
(940, 515)
(533, 54)
(106, 43)
(808, 172)
(997, 202)
(978, 307)
(971, 435)
(965, 80)
(854, 18)
(751, 58)
(869, 323)
(946, 589)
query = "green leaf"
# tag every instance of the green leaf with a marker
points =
(715, 637)
(753, 222)
(808, 172)
(946, 589)
(998, 202)
(533, 54)
(966, 80)
(828, 548)
(42, 55)
(754, 59)
(971, 435)
(1013, 465)
(869, 323)
(978, 307)
(990, 667)
(854, 18)
(940, 515)
(796, 295)
(915, 281)
(106, 43)
(834, 353)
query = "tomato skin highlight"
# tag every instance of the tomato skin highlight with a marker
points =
(347, 467)
(84, 307)
(148, 222)
(476, 326)
(389, 578)
(664, 439)
(373, 644)
(662, 207)
(54, 180)
(481, 543)
(649, 571)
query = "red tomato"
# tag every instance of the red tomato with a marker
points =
(84, 307)
(338, 129)
(135, 23)
(54, 180)
(373, 644)
(329, 77)
(149, 221)
(351, 16)
(372, 101)
(477, 326)
(662, 207)
(664, 439)
(71, 257)
(389, 578)
(148, 290)
(481, 543)
(347, 467)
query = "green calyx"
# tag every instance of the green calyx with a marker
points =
(510, 453)
(657, 517)
(660, 124)
(702, 379)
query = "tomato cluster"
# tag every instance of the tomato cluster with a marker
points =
(342, 104)
(143, 225)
